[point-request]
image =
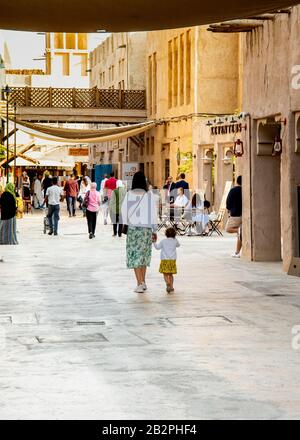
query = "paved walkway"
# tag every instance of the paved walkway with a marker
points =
(81, 344)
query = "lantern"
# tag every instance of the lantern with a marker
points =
(277, 147)
(238, 150)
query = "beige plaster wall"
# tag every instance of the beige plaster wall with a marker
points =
(270, 54)
(218, 72)
(121, 46)
(223, 170)
(215, 75)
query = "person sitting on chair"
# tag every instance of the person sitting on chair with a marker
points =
(198, 215)
(181, 202)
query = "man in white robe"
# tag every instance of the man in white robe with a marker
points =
(38, 198)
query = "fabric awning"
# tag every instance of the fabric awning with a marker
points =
(81, 136)
(126, 15)
(20, 162)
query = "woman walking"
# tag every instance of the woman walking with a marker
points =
(139, 214)
(92, 203)
(84, 188)
(8, 206)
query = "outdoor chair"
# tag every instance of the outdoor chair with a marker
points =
(215, 224)
(174, 218)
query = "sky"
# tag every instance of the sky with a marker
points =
(25, 46)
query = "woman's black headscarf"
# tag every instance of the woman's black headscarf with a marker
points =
(8, 206)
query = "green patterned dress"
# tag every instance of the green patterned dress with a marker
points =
(139, 247)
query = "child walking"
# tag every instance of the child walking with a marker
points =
(168, 256)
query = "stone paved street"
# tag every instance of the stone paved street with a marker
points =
(78, 343)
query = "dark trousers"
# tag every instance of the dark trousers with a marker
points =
(53, 217)
(117, 226)
(71, 205)
(91, 221)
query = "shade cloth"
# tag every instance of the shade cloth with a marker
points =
(78, 136)
(126, 15)
(20, 162)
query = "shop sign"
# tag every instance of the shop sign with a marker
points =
(78, 151)
(128, 171)
(226, 129)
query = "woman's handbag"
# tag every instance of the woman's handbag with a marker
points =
(85, 203)
(125, 227)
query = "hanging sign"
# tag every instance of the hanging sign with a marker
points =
(78, 151)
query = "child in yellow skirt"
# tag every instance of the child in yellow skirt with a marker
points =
(168, 256)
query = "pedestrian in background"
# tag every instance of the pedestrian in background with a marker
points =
(26, 187)
(109, 186)
(20, 205)
(8, 207)
(38, 198)
(182, 183)
(104, 204)
(46, 183)
(234, 207)
(115, 205)
(84, 188)
(71, 191)
(54, 196)
(92, 203)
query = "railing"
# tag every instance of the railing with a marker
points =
(78, 98)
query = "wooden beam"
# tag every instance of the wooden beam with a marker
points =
(235, 26)
(12, 132)
(20, 154)
(263, 17)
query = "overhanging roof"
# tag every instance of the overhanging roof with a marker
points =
(126, 15)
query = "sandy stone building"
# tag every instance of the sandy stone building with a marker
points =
(190, 72)
(119, 63)
(271, 97)
(66, 66)
(269, 129)
(66, 63)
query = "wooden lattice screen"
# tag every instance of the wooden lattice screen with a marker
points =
(78, 98)
(18, 96)
(108, 99)
(39, 97)
(134, 99)
(85, 98)
(62, 98)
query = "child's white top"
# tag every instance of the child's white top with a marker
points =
(168, 248)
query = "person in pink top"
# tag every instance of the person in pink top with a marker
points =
(92, 202)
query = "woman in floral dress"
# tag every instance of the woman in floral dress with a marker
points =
(139, 213)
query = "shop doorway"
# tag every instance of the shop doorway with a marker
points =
(266, 193)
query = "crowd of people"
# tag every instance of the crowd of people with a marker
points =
(134, 213)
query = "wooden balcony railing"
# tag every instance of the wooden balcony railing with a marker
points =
(78, 98)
